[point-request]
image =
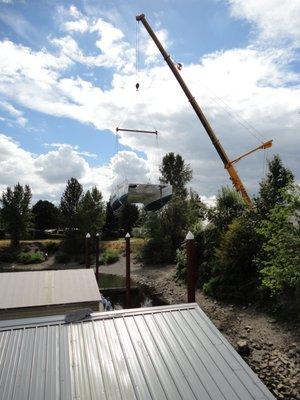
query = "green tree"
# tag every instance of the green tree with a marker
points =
(91, 213)
(46, 215)
(280, 261)
(270, 192)
(229, 205)
(234, 272)
(166, 229)
(111, 222)
(196, 209)
(15, 211)
(175, 171)
(129, 216)
(69, 205)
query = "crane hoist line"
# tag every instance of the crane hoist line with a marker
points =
(228, 165)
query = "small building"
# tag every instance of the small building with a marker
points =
(39, 293)
(159, 353)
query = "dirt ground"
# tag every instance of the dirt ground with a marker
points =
(274, 347)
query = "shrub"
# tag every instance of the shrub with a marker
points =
(181, 264)
(62, 257)
(109, 256)
(156, 251)
(31, 258)
(51, 246)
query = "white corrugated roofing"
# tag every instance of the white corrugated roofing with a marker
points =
(39, 288)
(159, 353)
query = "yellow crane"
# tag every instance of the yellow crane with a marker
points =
(228, 165)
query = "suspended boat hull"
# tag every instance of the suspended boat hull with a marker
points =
(152, 196)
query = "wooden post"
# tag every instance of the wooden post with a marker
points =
(127, 253)
(191, 267)
(97, 255)
(88, 251)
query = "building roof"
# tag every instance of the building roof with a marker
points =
(41, 288)
(159, 353)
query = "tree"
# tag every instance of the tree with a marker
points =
(91, 212)
(69, 205)
(234, 272)
(229, 205)
(176, 172)
(128, 217)
(196, 209)
(111, 222)
(280, 259)
(270, 192)
(167, 229)
(46, 215)
(16, 212)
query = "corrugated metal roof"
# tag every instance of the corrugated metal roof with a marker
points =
(160, 353)
(39, 288)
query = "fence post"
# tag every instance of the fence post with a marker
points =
(191, 267)
(88, 251)
(97, 255)
(127, 253)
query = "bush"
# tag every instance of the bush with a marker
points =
(181, 264)
(109, 256)
(51, 247)
(9, 254)
(62, 257)
(31, 258)
(156, 251)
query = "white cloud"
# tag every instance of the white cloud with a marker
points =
(17, 114)
(257, 84)
(48, 173)
(275, 19)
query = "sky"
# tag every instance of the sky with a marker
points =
(68, 71)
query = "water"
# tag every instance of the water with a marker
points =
(140, 297)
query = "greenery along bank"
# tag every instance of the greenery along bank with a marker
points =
(242, 253)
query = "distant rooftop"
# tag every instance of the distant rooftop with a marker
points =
(159, 353)
(46, 288)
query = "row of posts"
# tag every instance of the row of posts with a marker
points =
(190, 256)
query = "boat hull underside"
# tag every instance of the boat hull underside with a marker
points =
(153, 197)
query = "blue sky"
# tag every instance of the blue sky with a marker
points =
(67, 77)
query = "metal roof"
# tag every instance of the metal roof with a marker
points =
(39, 288)
(169, 352)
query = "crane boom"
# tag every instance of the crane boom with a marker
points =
(238, 184)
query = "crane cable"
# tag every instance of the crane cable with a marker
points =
(243, 122)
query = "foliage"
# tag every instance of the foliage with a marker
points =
(110, 227)
(181, 261)
(31, 258)
(46, 215)
(270, 193)
(166, 229)
(280, 261)
(69, 205)
(229, 205)
(62, 257)
(91, 212)
(196, 209)
(234, 273)
(128, 218)
(175, 171)
(50, 246)
(15, 211)
(109, 256)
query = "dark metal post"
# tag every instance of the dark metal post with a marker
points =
(97, 255)
(88, 251)
(191, 267)
(127, 253)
